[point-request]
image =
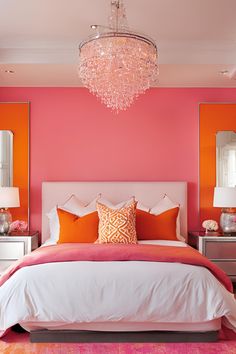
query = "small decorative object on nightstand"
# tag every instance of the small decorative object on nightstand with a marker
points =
(210, 226)
(225, 198)
(15, 246)
(9, 198)
(220, 249)
(18, 226)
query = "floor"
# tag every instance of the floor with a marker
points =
(18, 343)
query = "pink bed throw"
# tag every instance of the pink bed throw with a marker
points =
(116, 252)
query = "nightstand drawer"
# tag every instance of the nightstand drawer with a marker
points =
(228, 267)
(12, 250)
(220, 250)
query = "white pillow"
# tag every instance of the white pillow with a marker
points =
(162, 243)
(110, 205)
(72, 205)
(54, 226)
(163, 205)
(140, 206)
(73, 202)
(122, 204)
(75, 206)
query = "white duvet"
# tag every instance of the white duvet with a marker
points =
(132, 291)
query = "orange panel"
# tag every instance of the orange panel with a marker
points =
(213, 118)
(15, 117)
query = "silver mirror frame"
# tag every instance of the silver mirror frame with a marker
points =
(225, 142)
(10, 162)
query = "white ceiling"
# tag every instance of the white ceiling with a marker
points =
(196, 39)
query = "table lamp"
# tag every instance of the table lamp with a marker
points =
(225, 198)
(9, 198)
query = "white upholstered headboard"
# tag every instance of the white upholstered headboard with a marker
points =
(149, 193)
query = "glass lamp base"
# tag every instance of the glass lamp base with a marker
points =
(5, 221)
(228, 223)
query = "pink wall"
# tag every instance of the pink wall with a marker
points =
(74, 137)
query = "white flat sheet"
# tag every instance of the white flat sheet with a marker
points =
(163, 243)
(84, 292)
(51, 242)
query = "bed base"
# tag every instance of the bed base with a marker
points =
(75, 336)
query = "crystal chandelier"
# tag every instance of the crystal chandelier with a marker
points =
(117, 64)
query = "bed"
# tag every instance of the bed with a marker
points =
(137, 300)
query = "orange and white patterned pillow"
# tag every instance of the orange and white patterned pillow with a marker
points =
(117, 225)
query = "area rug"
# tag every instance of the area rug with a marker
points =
(18, 343)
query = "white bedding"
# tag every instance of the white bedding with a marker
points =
(132, 291)
(51, 242)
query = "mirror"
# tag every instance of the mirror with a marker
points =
(14, 118)
(226, 158)
(6, 158)
(213, 118)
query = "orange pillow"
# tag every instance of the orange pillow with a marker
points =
(157, 227)
(77, 229)
(117, 225)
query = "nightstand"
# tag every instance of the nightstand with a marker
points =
(15, 246)
(220, 249)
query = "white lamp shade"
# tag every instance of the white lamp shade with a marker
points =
(9, 197)
(225, 197)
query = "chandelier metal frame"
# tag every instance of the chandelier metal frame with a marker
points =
(128, 34)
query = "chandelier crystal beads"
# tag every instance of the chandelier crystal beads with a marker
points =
(116, 64)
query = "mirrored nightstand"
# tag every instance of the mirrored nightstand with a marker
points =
(220, 249)
(15, 246)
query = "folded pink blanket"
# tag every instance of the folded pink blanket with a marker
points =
(116, 252)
